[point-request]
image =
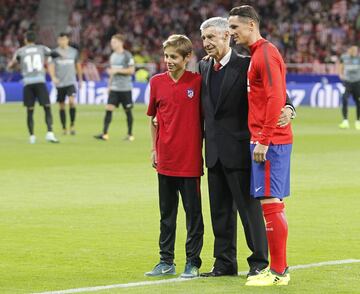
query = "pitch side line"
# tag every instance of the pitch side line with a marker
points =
(177, 280)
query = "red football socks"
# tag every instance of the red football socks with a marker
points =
(277, 232)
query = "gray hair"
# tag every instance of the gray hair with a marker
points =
(219, 23)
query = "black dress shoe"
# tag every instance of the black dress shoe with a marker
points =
(218, 273)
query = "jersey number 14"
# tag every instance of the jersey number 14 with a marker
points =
(33, 62)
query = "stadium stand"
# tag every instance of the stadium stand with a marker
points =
(311, 35)
(16, 17)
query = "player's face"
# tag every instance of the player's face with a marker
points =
(115, 43)
(240, 30)
(63, 41)
(215, 41)
(175, 62)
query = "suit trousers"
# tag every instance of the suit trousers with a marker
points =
(229, 191)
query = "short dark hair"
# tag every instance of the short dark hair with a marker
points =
(30, 36)
(63, 34)
(245, 11)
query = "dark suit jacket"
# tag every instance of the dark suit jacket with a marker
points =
(227, 134)
(226, 124)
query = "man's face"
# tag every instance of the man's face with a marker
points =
(115, 43)
(215, 41)
(63, 41)
(240, 29)
(175, 62)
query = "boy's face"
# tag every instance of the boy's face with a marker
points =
(63, 41)
(115, 43)
(174, 60)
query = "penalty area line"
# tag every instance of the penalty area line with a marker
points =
(177, 280)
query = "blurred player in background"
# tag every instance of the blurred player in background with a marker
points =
(66, 67)
(176, 154)
(350, 74)
(270, 144)
(32, 59)
(122, 67)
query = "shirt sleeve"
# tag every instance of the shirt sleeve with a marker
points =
(289, 104)
(272, 73)
(200, 67)
(152, 101)
(77, 56)
(50, 57)
(17, 55)
(130, 61)
(48, 53)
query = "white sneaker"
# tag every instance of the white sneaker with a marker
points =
(344, 124)
(357, 125)
(50, 137)
(32, 139)
(129, 138)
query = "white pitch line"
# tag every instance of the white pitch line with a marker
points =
(175, 280)
(324, 263)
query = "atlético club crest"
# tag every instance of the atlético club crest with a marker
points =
(190, 93)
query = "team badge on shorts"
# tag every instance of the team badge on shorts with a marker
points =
(190, 93)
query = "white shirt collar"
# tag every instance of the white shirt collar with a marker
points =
(225, 60)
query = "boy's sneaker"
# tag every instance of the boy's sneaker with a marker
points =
(32, 139)
(268, 277)
(344, 124)
(103, 137)
(191, 271)
(357, 125)
(50, 137)
(162, 269)
(65, 132)
(72, 131)
(129, 138)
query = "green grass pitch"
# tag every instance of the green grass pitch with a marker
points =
(85, 213)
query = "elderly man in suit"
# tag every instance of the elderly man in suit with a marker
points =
(227, 152)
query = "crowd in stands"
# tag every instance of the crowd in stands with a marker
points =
(305, 31)
(16, 17)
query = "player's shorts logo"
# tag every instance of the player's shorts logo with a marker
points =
(2, 95)
(190, 93)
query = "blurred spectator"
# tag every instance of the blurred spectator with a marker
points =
(16, 17)
(90, 71)
(305, 31)
(142, 75)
